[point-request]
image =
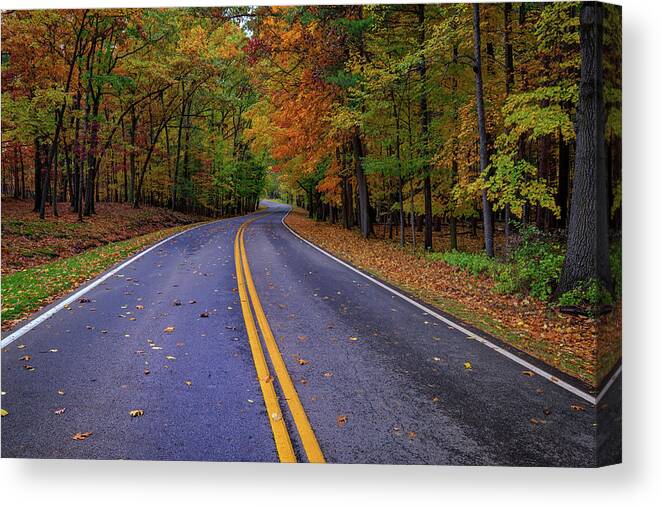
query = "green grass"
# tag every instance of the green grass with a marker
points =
(24, 292)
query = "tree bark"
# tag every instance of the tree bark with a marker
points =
(587, 256)
(424, 126)
(481, 121)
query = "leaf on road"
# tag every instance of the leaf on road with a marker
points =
(138, 412)
(139, 307)
(468, 366)
(3, 412)
(176, 302)
(302, 338)
(328, 374)
(342, 420)
(170, 357)
(411, 435)
(53, 350)
(188, 383)
(276, 416)
(302, 361)
(21, 346)
(204, 315)
(353, 338)
(537, 421)
(28, 367)
(146, 371)
(168, 329)
(25, 358)
(528, 373)
(60, 392)
(577, 408)
(59, 411)
(82, 436)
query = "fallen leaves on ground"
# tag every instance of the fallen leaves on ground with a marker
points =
(138, 412)
(169, 329)
(59, 411)
(468, 366)
(342, 420)
(3, 412)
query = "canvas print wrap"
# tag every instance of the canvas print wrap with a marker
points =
(317, 234)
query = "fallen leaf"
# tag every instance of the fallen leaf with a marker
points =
(82, 436)
(577, 408)
(28, 367)
(411, 435)
(341, 420)
(468, 366)
(276, 416)
(139, 307)
(60, 392)
(328, 374)
(204, 315)
(302, 361)
(137, 412)
(170, 357)
(3, 412)
(168, 329)
(53, 350)
(353, 338)
(188, 383)
(25, 358)
(59, 411)
(537, 421)
(146, 371)
(21, 346)
(528, 373)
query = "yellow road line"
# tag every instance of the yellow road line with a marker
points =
(278, 427)
(308, 438)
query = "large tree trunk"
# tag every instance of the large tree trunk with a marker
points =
(481, 121)
(587, 233)
(37, 175)
(361, 180)
(424, 125)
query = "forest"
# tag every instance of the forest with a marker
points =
(425, 124)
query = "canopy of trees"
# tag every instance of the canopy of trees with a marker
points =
(132, 105)
(418, 116)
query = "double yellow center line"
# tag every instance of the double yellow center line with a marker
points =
(248, 295)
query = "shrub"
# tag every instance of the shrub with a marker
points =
(534, 267)
(474, 263)
(588, 294)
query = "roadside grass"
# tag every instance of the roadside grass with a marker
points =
(25, 292)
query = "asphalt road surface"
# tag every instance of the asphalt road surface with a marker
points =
(372, 378)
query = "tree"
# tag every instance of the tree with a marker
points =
(487, 216)
(587, 258)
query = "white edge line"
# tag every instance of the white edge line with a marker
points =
(551, 378)
(46, 315)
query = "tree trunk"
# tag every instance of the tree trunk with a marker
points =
(361, 179)
(481, 121)
(424, 126)
(587, 256)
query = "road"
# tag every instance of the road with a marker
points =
(353, 373)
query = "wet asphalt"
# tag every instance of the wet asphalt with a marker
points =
(380, 380)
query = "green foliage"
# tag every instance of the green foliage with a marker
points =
(474, 263)
(587, 294)
(534, 267)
